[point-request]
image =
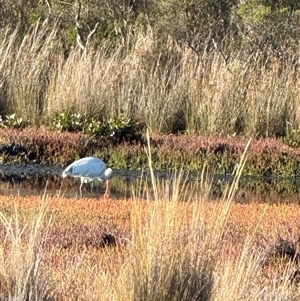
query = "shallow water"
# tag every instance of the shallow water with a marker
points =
(36, 180)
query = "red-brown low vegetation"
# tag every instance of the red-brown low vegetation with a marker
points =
(170, 152)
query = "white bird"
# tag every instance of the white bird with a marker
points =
(88, 169)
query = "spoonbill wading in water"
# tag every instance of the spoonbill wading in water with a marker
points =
(88, 169)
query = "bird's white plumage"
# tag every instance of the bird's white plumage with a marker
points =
(88, 169)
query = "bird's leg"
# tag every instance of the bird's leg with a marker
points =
(107, 190)
(92, 186)
(80, 187)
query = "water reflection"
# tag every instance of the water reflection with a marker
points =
(35, 180)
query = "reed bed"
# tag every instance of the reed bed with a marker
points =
(169, 89)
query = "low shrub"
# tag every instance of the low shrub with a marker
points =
(118, 129)
(12, 121)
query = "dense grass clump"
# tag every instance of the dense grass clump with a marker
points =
(161, 81)
(23, 276)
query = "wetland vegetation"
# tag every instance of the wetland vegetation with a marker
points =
(108, 75)
(80, 78)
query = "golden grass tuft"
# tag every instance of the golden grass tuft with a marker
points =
(22, 274)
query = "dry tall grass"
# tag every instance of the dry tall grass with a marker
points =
(168, 89)
(22, 274)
